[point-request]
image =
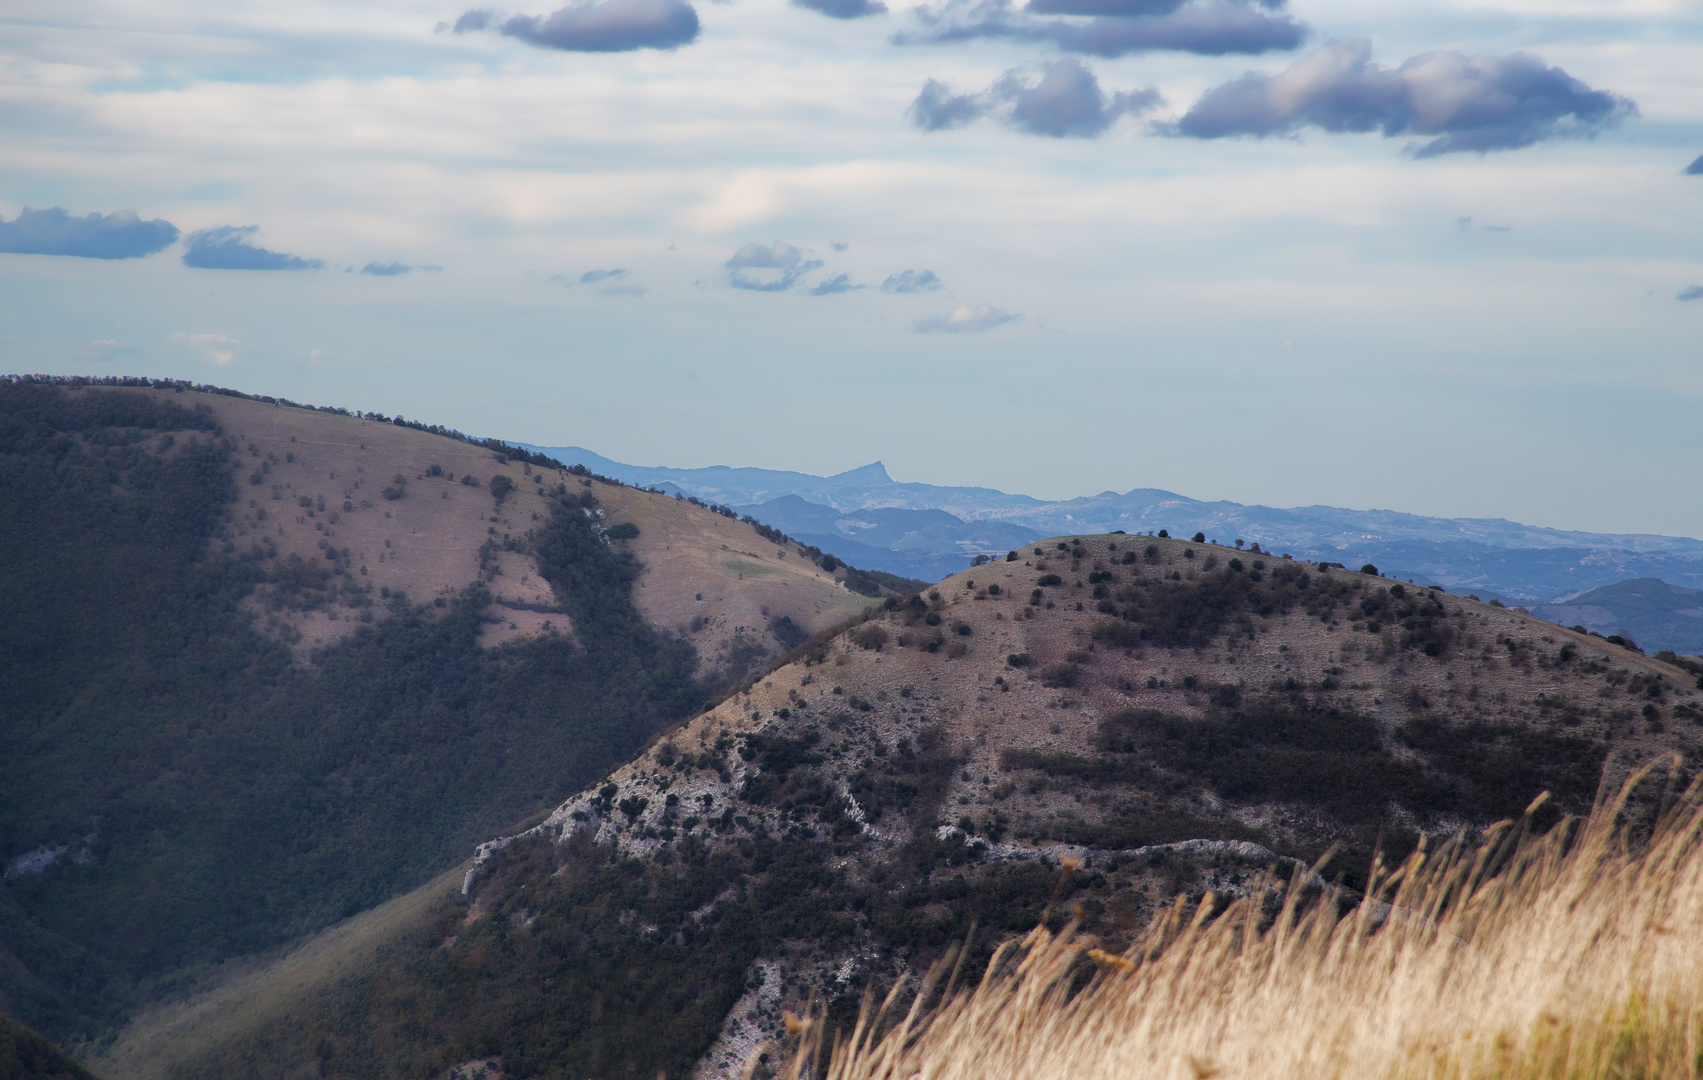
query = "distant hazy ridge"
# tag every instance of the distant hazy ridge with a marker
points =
(928, 531)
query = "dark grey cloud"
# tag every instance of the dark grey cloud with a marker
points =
(1122, 8)
(787, 262)
(596, 25)
(844, 9)
(1690, 293)
(965, 320)
(839, 283)
(1468, 103)
(1066, 102)
(1119, 27)
(592, 276)
(394, 269)
(911, 281)
(1695, 168)
(937, 108)
(118, 235)
(227, 248)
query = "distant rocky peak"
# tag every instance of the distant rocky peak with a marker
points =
(873, 473)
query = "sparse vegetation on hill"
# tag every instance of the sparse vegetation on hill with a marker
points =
(187, 794)
(844, 820)
(249, 693)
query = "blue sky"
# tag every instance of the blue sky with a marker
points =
(1420, 255)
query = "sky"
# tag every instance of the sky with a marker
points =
(1440, 256)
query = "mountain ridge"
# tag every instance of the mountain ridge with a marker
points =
(1494, 557)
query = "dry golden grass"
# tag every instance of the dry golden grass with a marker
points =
(1575, 954)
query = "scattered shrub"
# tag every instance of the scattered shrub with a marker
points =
(1061, 676)
(870, 636)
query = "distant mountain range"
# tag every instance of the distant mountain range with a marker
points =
(928, 531)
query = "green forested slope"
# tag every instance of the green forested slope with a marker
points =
(213, 800)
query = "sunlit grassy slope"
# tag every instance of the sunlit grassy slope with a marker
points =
(1573, 954)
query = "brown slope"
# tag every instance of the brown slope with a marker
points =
(1026, 769)
(1504, 672)
(434, 534)
(855, 811)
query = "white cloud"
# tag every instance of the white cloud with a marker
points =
(219, 350)
(966, 320)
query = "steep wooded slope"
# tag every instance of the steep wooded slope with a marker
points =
(249, 693)
(24, 1055)
(1174, 717)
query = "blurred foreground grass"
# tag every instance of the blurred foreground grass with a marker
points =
(1570, 955)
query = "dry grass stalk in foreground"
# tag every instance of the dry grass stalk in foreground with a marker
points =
(1575, 954)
